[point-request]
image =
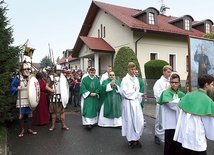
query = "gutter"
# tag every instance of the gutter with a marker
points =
(144, 33)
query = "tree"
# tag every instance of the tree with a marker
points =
(46, 61)
(8, 61)
(123, 57)
(209, 35)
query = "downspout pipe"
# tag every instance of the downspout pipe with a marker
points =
(144, 33)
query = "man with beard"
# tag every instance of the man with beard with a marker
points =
(19, 85)
(56, 106)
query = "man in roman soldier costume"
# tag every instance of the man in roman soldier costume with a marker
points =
(19, 86)
(56, 105)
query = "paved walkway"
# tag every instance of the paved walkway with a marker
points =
(149, 108)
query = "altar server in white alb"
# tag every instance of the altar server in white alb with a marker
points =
(111, 109)
(196, 119)
(168, 101)
(105, 75)
(132, 114)
(159, 86)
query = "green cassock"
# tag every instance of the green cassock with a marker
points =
(91, 103)
(141, 89)
(169, 95)
(197, 103)
(112, 101)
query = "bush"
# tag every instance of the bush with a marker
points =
(209, 35)
(124, 56)
(153, 71)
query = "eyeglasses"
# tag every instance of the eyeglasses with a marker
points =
(111, 74)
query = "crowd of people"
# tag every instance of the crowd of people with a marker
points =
(183, 121)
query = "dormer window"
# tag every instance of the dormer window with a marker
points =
(151, 18)
(207, 28)
(148, 16)
(184, 22)
(203, 26)
(187, 24)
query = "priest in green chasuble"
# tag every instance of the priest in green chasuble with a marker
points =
(89, 91)
(111, 109)
(195, 123)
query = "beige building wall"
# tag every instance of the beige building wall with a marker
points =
(163, 46)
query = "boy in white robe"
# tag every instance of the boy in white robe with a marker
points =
(196, 119)
(168, 101)
(132, 114)
(159, 86)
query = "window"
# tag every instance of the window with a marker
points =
(98, 33)
(151, 18)
(172, 61)
(101, 31)
(187, 24)
(187, 63)
(104, 32)
(207, 28)
(153, 56)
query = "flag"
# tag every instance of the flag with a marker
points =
(28, 51)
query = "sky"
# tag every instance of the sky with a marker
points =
(58, 23)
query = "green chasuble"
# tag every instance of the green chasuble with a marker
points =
(91, 103)
(169, 95)
(112, 101)
(141, 89)
(197, 103)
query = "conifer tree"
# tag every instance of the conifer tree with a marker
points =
(8, 64)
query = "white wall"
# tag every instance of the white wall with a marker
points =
(163, 45)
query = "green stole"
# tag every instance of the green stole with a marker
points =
(197, 103)
(91, 103)
(112, 101)
(169, 95)
(141, 89)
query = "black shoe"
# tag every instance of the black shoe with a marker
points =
(137, 144)
(131, 144)
(157, 140)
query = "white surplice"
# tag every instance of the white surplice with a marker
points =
(132, 114)
(159, 86)
(192, 131)
(171, 113)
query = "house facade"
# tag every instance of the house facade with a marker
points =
(149, 33)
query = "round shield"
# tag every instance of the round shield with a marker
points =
(64, 90)
(33, 92)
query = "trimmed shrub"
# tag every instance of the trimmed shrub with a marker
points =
(153, 71)
(124, 56)
(153, 68)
